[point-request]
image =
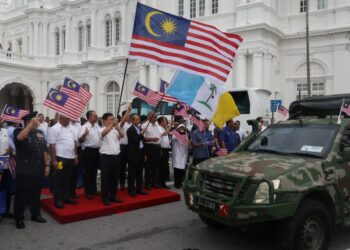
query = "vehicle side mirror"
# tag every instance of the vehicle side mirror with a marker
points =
(254, 124)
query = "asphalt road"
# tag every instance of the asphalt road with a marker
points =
(170, 226)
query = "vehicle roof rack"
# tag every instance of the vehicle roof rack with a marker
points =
(319, 106)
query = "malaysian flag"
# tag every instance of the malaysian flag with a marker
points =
(11, 114)
(221, 151)
(181, 134)
(166, 98)
(146, 94)
(75, 90)
(3, 161)
(282, 110)
(181, 109)
(182, 44)
(64, 104)
(198, 122)
(346, 109)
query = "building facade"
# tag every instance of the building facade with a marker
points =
(43, 41)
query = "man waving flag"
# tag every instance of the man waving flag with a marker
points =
(176, 42)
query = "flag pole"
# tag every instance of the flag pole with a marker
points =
(124, 77)
(339, 120)
(4, 109)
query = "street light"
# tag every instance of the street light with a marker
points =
(307, 50)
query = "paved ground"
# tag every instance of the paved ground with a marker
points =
(170, 227)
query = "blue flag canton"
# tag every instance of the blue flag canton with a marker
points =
(57, 97)
(161, 26)
(71, 84)
(141, 89)
(163, 86)
(10, 111)
(3, 161)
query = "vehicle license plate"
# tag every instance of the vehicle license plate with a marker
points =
(206, 204)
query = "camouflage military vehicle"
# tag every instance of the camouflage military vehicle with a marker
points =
(295, 175)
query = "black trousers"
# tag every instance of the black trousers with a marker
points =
(110, 169)
(6, 186)
(164, 166)
(179, 176)
(28, 189)
(90, 161)
(61, 179)
(123, 164)
(75, 173)
(135, 173)
(153, 163)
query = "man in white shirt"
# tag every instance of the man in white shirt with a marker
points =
(110, 158)
(90, 144)
(43, 125)
(125, 125)
(164, 129)
(5, 173)
(64, 158)
(152, 140)
(239, 130)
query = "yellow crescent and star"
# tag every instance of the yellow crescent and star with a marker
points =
(168, 26)
(10, 110)
(71, 84)
(141, 88)
(58, 97)
(1, 164)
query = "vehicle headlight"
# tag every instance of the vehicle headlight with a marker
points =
(262, 195)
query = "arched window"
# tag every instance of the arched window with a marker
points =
(117, 20)
(80, 36)
(88, 33)
(318, 81)
(108, 30)
(64, 38)
(57, 40)
(112, 97)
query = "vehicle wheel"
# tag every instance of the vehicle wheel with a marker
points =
(308, 229)
(211, 223)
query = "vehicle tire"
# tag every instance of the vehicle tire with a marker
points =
(309, 229)
(211, 223)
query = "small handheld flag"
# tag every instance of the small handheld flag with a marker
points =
(346, 109)
(64, 104)
(146, 94)
(162, 88)
(221, 151)
(3, 161)
(181, 134)
(75, 90)
(282, 110)
(181, 109)
(11, 114)
(198, 122)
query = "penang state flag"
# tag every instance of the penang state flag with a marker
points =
(75, 90)
(11, 114)
(176, 42)
(64, 104)
(146, 94)
(210, 99)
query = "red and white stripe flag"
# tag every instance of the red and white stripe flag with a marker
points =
(11, 114)
(64, 104)
(182, 44)
(346, 109)
(282, 110)
(181, 134)
(198, 122)
(75, 90)
(146, 94)
(221, 151)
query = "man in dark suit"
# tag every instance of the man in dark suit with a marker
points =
(135, 157)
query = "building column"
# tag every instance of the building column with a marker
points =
(207, 11)
(68, 34)
(241, 69)
(143, 73)
(45, 40)
(30, 45)
(257, 69)
(36, 38)
(14, 44)
(93, 28)
(153, 77)
(267, 84)
(186, 9)
(52, 42)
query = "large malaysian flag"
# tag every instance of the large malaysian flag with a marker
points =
(176, 42)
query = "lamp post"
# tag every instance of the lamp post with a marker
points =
(307, 50)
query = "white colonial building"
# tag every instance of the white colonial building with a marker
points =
(42, 41)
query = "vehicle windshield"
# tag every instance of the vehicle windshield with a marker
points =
(312, 140)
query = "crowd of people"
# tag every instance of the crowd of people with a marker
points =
(132, 153)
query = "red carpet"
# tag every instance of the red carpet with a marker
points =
(87, 209)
